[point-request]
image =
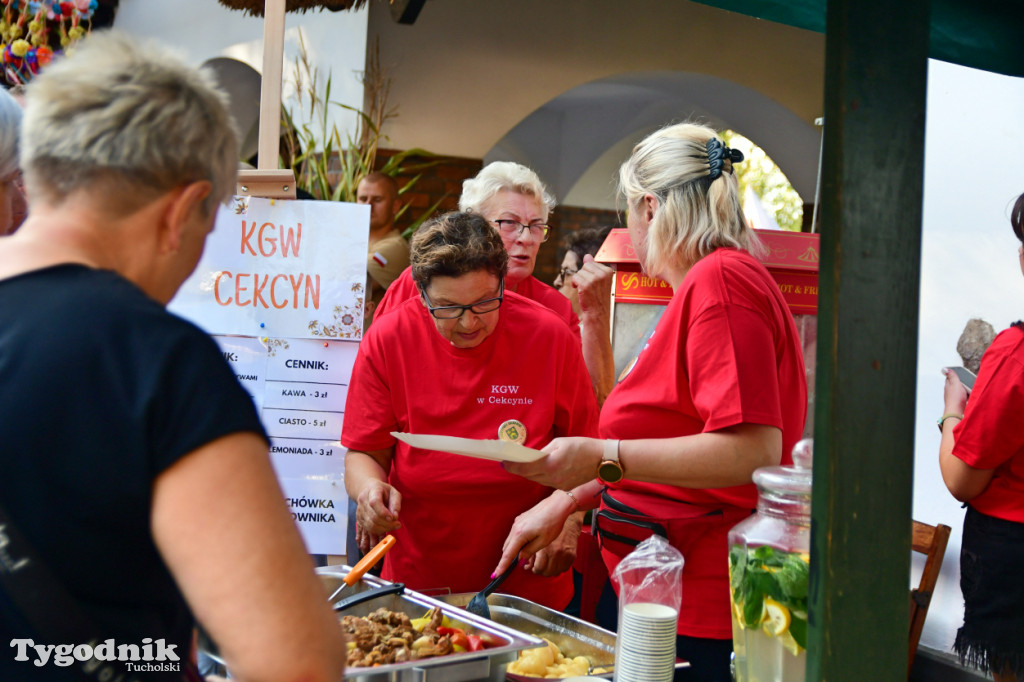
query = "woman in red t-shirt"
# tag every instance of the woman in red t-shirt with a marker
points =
(718, 391)
(982, 461)
(465, 358)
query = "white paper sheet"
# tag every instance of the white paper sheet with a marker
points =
(499, 450)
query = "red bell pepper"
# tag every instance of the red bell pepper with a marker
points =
(458, 636)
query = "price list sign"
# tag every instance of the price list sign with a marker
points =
(303, 405)
(280, 288)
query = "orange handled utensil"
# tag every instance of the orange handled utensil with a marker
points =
(365, 564)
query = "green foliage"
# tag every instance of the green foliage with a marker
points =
(768, 181)
(329, 166)
(768, 572)
(793, 578)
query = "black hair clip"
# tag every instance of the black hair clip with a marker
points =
(718, 153)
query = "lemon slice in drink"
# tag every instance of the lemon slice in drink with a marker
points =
(789, 644)
(737, 608)
(776, 618)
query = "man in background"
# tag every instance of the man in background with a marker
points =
(388, 253)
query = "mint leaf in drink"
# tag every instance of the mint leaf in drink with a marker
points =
(753, 609)
(793, 578)
(765, 584)
(798, 628)
(738, 565)
(769, 556)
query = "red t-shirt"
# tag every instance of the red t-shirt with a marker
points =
(991, 435)
(532, 288)
(457, 511)
(725, 352)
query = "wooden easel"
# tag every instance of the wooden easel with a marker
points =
(268, 180)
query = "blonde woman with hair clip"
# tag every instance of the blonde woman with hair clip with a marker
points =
(718, 391)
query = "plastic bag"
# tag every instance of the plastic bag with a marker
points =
(650, 581)
(652, 573)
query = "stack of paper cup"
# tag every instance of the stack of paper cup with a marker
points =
(646, 647)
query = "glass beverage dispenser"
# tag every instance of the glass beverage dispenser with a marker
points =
(769, 568)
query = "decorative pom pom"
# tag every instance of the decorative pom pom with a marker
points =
(32, 30)
(11, 58)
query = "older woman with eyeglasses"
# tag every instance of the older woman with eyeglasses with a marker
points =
(517, 204)
(468, 358)
(515, 201)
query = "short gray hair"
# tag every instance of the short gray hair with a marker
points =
(129, 114)
(503, 175)
(10, 126)
(696, 214)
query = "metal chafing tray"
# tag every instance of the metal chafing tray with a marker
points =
(572, 636)
(488, 664)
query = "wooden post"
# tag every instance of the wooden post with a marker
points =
(267, 180)
(270, 90)
(873, 169)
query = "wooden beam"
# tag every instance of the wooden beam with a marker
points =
(873, 170)
(269, 184)
(270, 88)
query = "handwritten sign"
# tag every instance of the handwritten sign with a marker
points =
(299, 387)
(280, 287)
(248, 357)
(281, 269)
(319, 507)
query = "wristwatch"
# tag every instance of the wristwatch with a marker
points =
(610, 470)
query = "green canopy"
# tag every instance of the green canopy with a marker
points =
(981, 34)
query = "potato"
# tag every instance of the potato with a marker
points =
(549, 663)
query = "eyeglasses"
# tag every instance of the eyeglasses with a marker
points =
(454, 312)
(512, 228)
(566, 273)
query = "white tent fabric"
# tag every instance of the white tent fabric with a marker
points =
(757, 216)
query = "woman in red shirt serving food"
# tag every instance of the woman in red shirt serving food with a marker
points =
(465, 358)
(718, 391)
(981, 457)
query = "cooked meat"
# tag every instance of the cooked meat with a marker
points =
(392, 619)
(442, 647)
(386, 636)
(436, 618)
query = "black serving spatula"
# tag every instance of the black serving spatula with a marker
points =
(478, 604)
